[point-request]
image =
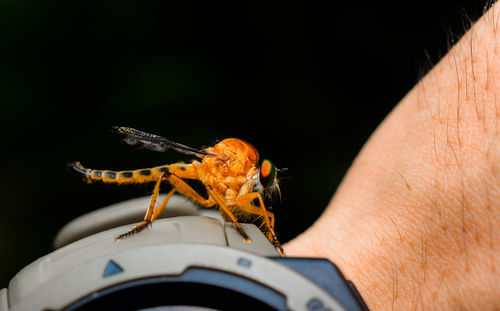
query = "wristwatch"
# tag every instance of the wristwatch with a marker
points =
(188, 260)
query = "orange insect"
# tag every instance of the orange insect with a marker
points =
(230, 172)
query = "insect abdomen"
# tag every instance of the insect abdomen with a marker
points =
(118, 177)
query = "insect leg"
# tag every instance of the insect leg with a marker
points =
(149, 213)
(252, 209)
(152, 213)
(249, 197)
(271, 235)
(160, 208)
(222, 205)
(183, 188)
(244, 204)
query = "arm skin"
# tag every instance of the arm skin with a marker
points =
(415, 222)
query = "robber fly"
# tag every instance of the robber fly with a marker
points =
(230, 171)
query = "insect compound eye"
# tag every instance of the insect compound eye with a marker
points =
(267, 173)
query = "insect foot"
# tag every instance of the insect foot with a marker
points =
(137, 228)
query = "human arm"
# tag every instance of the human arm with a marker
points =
(414, 222)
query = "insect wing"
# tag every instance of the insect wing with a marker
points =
(154, 142)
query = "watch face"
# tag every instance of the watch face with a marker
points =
(178, 308)
(196, 290)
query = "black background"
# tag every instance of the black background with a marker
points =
(306, 83)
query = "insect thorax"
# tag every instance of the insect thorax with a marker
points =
(232, 168)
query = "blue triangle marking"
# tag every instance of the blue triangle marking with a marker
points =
(111, 269)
